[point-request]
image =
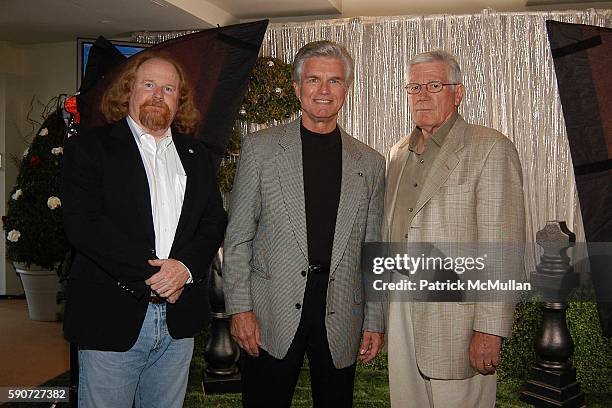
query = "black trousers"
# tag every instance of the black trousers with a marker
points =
(269, 382)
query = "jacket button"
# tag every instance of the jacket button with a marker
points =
(298, 306)
(303, 273)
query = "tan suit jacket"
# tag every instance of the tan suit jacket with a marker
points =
(473, 193)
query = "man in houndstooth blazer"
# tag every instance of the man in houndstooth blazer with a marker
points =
(306, 197)
(449, 181)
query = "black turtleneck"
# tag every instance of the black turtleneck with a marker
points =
(322, 162)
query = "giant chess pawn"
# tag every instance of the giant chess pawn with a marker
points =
(221, 352)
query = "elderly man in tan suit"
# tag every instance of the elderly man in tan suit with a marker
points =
(449, 181)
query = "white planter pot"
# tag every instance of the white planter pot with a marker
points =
(41, 287)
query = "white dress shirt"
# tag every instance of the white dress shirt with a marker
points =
(167, 180)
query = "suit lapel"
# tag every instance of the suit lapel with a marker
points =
(186, 154)
(351, 189)
(133, 174)
(291, 178)
(444, 164)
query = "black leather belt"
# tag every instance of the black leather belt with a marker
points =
(157, 300)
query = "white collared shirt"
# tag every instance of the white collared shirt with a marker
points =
(167, 181)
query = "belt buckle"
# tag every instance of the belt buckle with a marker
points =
(316, 269)
(156, 300)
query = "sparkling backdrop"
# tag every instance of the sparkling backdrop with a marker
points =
(508, 75)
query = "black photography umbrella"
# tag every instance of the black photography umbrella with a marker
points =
(217, 64)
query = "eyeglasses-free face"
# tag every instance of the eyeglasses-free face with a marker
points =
(322, 90)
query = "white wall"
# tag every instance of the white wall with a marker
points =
(39, 71)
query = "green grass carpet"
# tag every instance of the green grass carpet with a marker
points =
(371, 388)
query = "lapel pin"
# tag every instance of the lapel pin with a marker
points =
(190, 151)
(360, 174)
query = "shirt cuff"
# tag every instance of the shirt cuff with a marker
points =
(190, 279)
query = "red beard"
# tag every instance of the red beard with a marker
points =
(155, 115)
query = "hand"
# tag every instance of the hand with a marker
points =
(484, 352)
(371, 344)
(171, 276)
(245, 330)
(173, 298)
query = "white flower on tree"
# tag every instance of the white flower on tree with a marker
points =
(278, 90)
(57, 151)
(18, 193)
(270, 63)
(54, 202)
(13, 235)
(43, 132)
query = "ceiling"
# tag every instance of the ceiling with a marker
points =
(37, 21)
(248, 9)
(41, 21)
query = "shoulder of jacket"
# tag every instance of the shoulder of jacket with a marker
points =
(89, 137)
(270, 132)
(366, 150)
(486, 136)
(264, 141)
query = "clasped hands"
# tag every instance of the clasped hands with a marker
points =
(245, 331)
(169, 281)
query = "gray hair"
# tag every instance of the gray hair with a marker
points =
(454, 72)
(326, 49)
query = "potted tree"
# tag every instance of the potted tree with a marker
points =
(35, 239)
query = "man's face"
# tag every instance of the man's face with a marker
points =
(154, 98)
(430, 110)
(321, 91)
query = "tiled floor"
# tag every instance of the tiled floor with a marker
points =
(30, 352)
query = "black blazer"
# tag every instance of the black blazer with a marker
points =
(107, 219)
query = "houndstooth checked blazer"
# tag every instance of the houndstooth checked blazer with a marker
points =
(473, 193)
(265, 247)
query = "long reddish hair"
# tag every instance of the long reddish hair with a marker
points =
(115, 102)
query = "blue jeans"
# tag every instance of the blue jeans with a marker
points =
(153, 373)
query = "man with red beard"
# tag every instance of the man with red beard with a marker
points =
(144, 215)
